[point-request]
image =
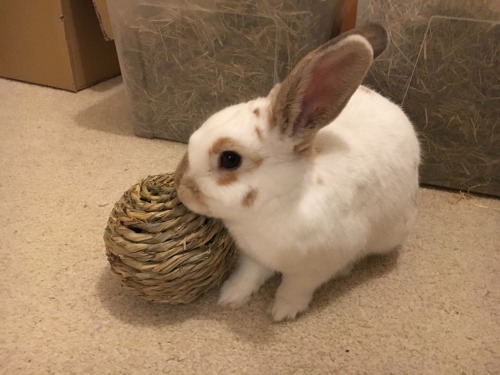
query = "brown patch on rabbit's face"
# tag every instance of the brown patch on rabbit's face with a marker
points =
(190, 194)
(227, 179)
(250, 160)
(223, 144)
(258, 131)
(187, 188)
(181, 169)
(249, 198)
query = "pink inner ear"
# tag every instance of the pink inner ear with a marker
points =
(324, 90)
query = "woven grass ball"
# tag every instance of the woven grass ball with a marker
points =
(162, 251)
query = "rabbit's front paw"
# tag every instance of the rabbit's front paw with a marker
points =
(235, 292)
(287, 310)
(241, 284)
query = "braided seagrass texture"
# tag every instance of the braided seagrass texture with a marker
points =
(162, 251)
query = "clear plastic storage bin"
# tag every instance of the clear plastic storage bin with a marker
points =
(183, 60)
(442, 66)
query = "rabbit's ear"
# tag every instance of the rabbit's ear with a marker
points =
(320, 86)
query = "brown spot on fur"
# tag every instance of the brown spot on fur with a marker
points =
(223, 144)
(320, 181)
(189, 192)
(229, 144)
(303, 148)
(256, 112)
(306, 149)
(181, 169)
(256, 160)
(227, 178)
(251, 160)
(249, 198)
(259, 133)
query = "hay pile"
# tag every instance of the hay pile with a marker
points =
(183, 62)
(442, 66)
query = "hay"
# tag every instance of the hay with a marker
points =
(407, 22)
(183, 63)
(442, 66)
(452, 96)
(161, 251)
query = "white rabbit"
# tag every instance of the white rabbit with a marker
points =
(309, 179)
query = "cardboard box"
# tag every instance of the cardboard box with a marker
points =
(56, 43)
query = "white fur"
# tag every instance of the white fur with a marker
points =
(312, 218)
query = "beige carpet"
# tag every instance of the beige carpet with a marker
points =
(66, 158)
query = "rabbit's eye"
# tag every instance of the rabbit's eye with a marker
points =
(229, 160)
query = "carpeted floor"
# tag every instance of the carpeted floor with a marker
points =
(432, 308)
